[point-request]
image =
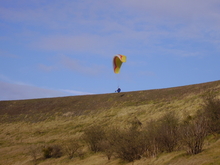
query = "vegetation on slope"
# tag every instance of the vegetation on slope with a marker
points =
(34, 130)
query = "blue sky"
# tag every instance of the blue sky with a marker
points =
(65, 48)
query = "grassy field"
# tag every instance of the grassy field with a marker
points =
(28, 125)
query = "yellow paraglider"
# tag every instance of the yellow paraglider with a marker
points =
(117, 62)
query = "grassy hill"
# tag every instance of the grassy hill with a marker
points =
(28, 125)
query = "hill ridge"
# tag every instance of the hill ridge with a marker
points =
(83, 104)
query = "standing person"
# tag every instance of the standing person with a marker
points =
(118, 90)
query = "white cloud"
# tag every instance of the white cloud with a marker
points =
(81, 66)
(73, 92)
(46, 68)
(63, 62)
(10, 91)
(85, 43)
(7, 54)
(4, 78)
(103, 26)
(147, 73)
(172, 8)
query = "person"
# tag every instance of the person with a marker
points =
(118, 90)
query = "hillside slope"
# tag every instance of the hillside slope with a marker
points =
(57, 120)
(79, 105)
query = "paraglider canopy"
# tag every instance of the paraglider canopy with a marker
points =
(117, 62)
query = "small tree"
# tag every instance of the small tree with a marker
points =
(107, 148)
(152, 139)
(193, 135)
(162, 134)
(52, 151)
(167, 130)
(211, 111)
(128, 144)
(34, 151)
(71, 147)
(93, 136)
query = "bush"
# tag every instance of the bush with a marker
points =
(34, 151)
(107, 148)
(168, 135)
(52, 151)
(193, 135)
(71, 147)
(128, 144)
(162, 135)
(93, 136)
(194, 130)
(152, 139)
(211, 111)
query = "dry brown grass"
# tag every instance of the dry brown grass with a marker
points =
(58, 120)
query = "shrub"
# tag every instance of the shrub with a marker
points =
(152, 139)
(71, 147)
(128, 144)
(168, 135)
(52, 151)
(107, 148)
(193, 135)
(162, 135)
(93, 136)
(211, 111)
(80, 153)
(34, 151)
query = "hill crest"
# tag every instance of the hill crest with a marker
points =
(79, 105)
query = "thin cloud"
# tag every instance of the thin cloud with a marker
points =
(73, 92)
(80, 66)
(46, 68)
(64, 62)
(147, 73)
(7, 54)
(141, 23)
(10, 91)
(85, 43)
(172, 9)
(5, 78)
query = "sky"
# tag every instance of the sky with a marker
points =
(65, 48)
